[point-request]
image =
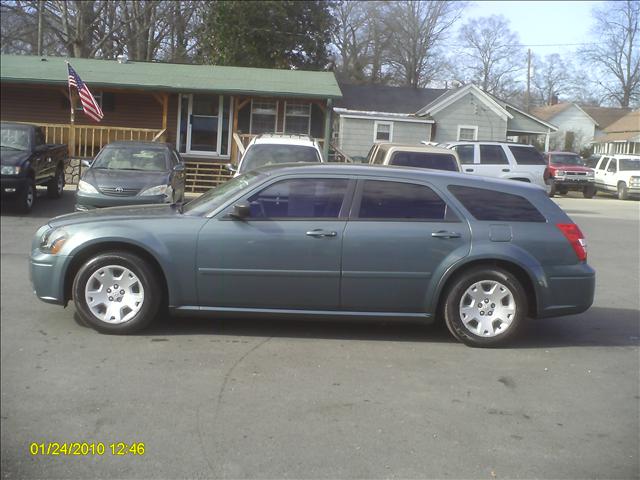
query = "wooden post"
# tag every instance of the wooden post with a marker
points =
(327, 129)
(165, 110)
(234, 147)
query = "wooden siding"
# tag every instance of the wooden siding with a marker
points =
(356, 135)
(469, 110)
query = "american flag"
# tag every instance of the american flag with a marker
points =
(89, 104)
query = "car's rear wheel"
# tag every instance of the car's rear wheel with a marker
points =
(26, 197)
(552, 189)
(117, 293)
(623, 192)
(589, 191)
(55, 187)
(484, 307)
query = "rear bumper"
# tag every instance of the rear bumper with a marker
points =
(568, 290)
(89, 202)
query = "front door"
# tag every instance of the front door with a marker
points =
(286, 255)
(400, 239)
(204, 121)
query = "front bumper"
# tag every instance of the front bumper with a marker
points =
(575, 182)
(568, 290)
(12, 185)
(47, 276)
(90, 201)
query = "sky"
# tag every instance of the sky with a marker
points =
(541, 22)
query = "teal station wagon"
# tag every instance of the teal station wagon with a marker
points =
(329, 241)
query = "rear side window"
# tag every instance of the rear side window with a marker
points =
(400, 201)
(603, 163)
(300, 198)
(379, 158)
(465, 153)
(437, 161)
(492, 155)
(527, 156)
(495, 206)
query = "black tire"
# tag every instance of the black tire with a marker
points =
(458, 288)
(26, 197)
(552, 189)
(589, 191)
(147, 278)
(563, 190)
(55, 187)
(623, 191)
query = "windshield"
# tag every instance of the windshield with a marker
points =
(132, 157)
(15, 139)
(566, 159)
(436, 161)
(630, 164)
(269, 154)
(217, 196)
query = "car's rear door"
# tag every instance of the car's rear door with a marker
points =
(401, 236)
(286, 255)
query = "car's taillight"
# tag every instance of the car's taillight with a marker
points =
(572, 233)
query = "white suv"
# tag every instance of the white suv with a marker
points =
(269, 149)
(513, 161)
(618, 174)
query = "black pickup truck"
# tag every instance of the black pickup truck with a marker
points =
(27, 162)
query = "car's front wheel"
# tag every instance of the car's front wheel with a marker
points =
(623, 191)
(589, 191)
(26, 197)
(55, 187)
(117, 293)
(484, 307)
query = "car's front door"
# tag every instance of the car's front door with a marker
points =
(600, 172)
(285, 255)
(400, 238)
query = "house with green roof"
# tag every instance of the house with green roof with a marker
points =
(208, 112)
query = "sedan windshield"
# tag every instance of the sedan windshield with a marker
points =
(566, 159)
(630, 164)
(15, 139)
(132, 157)
(269, 154)
(215, 197)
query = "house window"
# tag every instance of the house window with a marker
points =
(263, 116)
(297, 117)
(383, 132)
(467, 132)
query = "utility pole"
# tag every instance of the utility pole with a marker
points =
(528, 80)
(39, 27)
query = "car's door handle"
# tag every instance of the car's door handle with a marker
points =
(321, 233)
(506, 170)
(469, 170)
(445, 234)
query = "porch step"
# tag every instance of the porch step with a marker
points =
(202, 176)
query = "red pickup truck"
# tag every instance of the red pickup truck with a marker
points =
(567, 171)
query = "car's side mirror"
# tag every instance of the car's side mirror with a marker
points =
(87, 163)
(231, 168)
(179, 167)
(241, 211)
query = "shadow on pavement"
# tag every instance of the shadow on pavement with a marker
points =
(596, 328)
(44, 207)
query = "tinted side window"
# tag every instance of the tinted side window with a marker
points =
(612, 166)
(496, 206)
(527, 156)
(492, 155)
(300, 198)
(39, 137)
(603, 163)
(437, 161)
(465, 153)
(395, 200)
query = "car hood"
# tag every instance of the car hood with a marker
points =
(570, 168)
(13, 157)
(129, 213)
(125, 178)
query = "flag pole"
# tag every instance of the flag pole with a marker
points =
(72, 129)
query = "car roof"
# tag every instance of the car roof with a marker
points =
(17, 125)
(396, 172)
(564, 153)
(405, 147)
(490, 142)
(138, 143)
(284, 139)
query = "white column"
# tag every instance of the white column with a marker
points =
(546, 140)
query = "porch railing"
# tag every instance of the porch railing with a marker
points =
(85, 141)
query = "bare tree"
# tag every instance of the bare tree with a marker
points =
(616, 54)
(416, 30)
(352, 40)
(491, 56)
(551, 77)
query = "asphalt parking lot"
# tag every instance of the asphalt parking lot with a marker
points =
(286, 399)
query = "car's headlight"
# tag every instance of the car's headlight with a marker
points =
(157, 190)
(559, 173)
(53, 240)
(86, 187)
(10, 170)
(590, 173)
(634, 180)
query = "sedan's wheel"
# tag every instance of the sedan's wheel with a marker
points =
(623, 192)
(55, 187)
(116, 293)
(27, 197)
(485, 306)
